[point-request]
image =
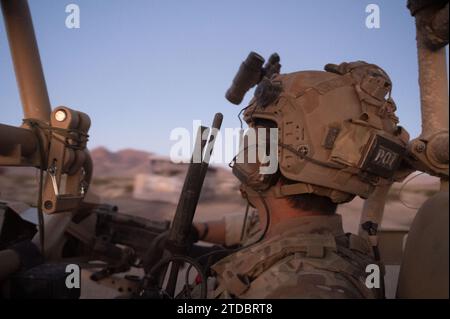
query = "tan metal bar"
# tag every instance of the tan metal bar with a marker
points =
(26, 59)
(433, 82)
(430, 149)
(11, 136)
(433, 88)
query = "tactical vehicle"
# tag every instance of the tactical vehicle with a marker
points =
(69, 229)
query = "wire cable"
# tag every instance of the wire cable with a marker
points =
(403, 187)
(244, 225)
(203, 273)
(240, 113)
(179, 258)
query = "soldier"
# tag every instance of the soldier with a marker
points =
(338, 138)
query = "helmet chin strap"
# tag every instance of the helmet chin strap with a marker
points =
(260, 195)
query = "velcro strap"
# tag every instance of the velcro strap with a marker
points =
(293, 189)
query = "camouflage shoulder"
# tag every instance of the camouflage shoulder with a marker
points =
(295, 278)
(303, 266)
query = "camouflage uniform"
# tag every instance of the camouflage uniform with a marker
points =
(304, 257)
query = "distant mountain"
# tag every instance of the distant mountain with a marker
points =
(127, 162)
(124, 163)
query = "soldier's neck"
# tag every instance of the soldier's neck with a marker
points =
(280, 210)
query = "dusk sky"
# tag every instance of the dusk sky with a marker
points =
(142, 68)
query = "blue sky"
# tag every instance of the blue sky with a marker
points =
(141, 68)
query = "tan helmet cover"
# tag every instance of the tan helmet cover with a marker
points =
(338, 133)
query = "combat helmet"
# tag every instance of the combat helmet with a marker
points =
(338, 135)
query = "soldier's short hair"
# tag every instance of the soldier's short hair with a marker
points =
(310, 202)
